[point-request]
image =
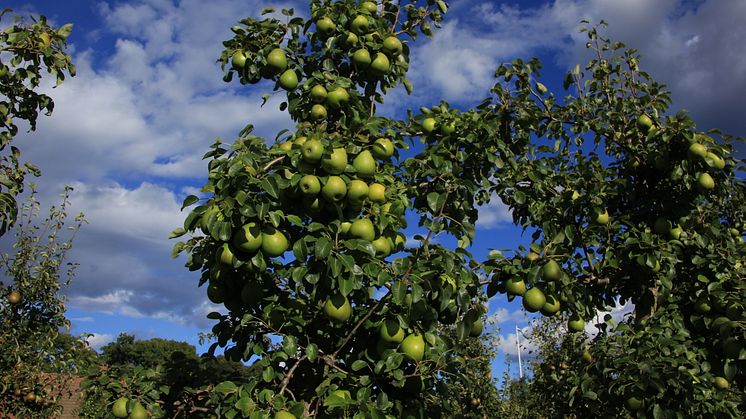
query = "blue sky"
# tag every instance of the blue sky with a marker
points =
(129, 131)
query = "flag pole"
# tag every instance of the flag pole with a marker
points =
(518, 344)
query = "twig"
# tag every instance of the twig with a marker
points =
(291, 371)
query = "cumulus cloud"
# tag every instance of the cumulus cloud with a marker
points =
(494, 214)
(512, 343)
(98, 340)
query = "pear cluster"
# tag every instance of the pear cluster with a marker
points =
(535, 298)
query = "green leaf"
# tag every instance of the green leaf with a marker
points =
(398, 291)
(322, 248)
(358, 365)
(312, 352)
(432, 201)
(245, 405)
(269, 184)
(225, 387)
(64, 30)
(177, 232)
(189, 200)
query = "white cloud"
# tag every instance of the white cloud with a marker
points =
(97, 340)
(494, 214)
(511, 343)
(503, 315)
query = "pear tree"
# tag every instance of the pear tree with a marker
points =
(301, 240)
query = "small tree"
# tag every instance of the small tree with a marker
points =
(32, 310)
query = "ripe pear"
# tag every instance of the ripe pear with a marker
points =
(392, 46)
(336, 162)
(335, 189)
(312, 150)
(363, 229)
(361, 58)
(289, 80)
(359, 25)
(383, 148)
(277, 62)
(337, 97)
(365, 164)
(318, 112)
(357, 190)
(318, 93)
(377, 193)
(381, 64)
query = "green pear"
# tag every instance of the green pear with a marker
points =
(377, 193)
(318, 112)
(705, 182)
(357, 191)
(381, 64)
(325, 25)
(369, 6)
(318, 93)
(336, 162)
(351, 40)
(392, 46)
(697, 151)
(363, 229)
(289, 80)
(383, 148)
(429, 124)
(335, 189)
(312, 150)
(359, 25)
(238, 60)
(361, 58)
(248, 238)
(382, 245)
(277, 62)
(365, 164)
(337, 97)
(344, 227)
(310, 185)
(713, 160)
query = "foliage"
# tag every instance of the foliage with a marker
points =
(165, 376)
(26, 51)
(145, 353)
(466, 388)
(313, 319)
(670, 238)
(32, 309)
(622, 202)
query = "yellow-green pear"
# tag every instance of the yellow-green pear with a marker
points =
(365, 164)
